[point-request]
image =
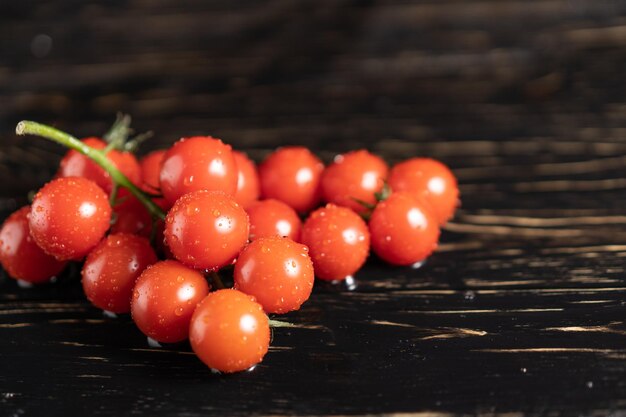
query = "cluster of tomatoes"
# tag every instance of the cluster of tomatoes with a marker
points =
(219, 211)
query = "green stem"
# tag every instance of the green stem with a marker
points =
(32, 128)
(113, 196)
(119, 132)
(278, 323)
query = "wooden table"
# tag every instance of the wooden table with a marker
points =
(521, 311)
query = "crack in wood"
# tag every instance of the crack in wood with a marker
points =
(511, 231)
(553, 350)
(493, 219)
(608, 328)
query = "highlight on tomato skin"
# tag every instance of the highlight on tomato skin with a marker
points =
(19, 254)
(69, 216)
(273, 218)
(248, 186)
(206, 229)
(197, 163)
(164, 299)
(277, 271)
(229, 331)
(430, 180)
(338, 241)
(111, 269)
(403, 229)
(75, 164)
(354, 177)
(292, 175)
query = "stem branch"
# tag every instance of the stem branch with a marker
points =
(32, 128)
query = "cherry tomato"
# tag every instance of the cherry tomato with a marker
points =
(131, 216)
(229, 331)
(151, 170)
(292, 175)
(431, 180)
(338, 241)
(404, 231)
(272, 217)
(206, 229)
(75, 164)
(248, 187)
(198, 163)
(19, 254)
(277, 271)
(164, 298)
(162, 249)
(69, 216)
(111, 269)
(354, 175)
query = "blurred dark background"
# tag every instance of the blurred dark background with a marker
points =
(495, 84)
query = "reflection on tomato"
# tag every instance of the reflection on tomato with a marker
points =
(356, 175)
(111, 269)
(403, 229)
(229, 331)
(19, 254)
(164, 298)
(277, 271)
(428, 179)
(338, 241)
(206, 229)
(197, 163)
(292, 175)
(69, 216)
(273, 218)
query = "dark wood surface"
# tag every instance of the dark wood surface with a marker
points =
(520, 312)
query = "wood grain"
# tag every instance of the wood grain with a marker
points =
(520, 312)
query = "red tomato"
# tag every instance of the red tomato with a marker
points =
(131, 216)
(292, 175)
(164, 298)
(206, 229)
(19, 254)
(277, 271)
(69, 216)
(430, 180)
(338, 241)
(75, 164)
(151, 170)
(162, 249)
(354, 175)
(248, 187)
(111, 269)
(229, 331)
(272, 217)
(404, 231)
(198, 163)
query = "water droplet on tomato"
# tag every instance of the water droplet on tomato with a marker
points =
(188, 181)
(192, 209)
